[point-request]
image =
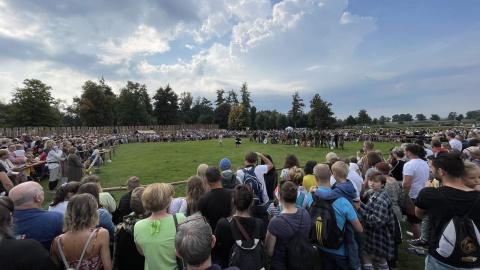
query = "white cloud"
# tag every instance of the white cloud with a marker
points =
(145, 41)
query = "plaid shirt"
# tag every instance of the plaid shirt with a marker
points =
(379, 226)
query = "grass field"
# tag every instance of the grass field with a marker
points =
(171, 162)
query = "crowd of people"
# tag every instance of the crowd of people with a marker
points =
(256, 217)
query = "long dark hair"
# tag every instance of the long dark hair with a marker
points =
(6, 225)
(63, 191)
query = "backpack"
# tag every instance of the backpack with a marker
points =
(229, 182)
(325, 230)
(248, 254)
(459, 243)
(300, 254)
(250, 178)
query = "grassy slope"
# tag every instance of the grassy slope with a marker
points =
(170, 162)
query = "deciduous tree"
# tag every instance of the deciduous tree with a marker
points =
(320, 116)
(236, 117)
(33, 105)
(133, 105)
(363, 117)
(297, 109)
(165, 103)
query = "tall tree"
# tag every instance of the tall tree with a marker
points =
(186, 103)
(350, 121)
(253, 113)
(421, 117)
(363, 117)
(202, 110)
(92, 107)
(245, 95)
(220, 98)
(459, 117)
(236, 118)
(320, 116)
(382, 120)
(452, 115)
(132, 106)
(165, 103)
(473, 115)
(232, 98)
(297, 109)
(395, 118)
(110, 103)
(435, 117)
(221, 115)
(33, 105)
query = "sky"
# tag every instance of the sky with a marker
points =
(387, 57)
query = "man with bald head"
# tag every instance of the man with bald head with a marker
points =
(31, 222)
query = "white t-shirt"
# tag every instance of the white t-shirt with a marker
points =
(60, 207)
(418, 169)
(260, 170)
(354, 167)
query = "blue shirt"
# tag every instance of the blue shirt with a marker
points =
(39, 225)
(344, 212)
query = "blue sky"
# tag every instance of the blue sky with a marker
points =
(387, 57)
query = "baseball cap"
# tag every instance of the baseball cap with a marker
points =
(225, 164)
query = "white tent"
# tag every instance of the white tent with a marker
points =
(289, 128)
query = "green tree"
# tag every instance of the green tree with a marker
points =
(33, 105)
(94, 107)
(350, 121)
(451, 115)
(133, 105)
(221, 115)
(363, 117)
(165, 103)
(220, 98)
(382, 120)
(4, 114)
(435, 117)
(420, 117)
(459, 118)
(245, 95)
(236, 118)
(261, 120)
(473, 115)
(321, 115)
(281, 121)
(296, 112)
(186, 103)
(395, 118)
(202, 109)
(232, 99)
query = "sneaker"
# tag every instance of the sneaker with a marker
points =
(415, 251)
(418, 244)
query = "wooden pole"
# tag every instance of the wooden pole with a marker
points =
(125, 188)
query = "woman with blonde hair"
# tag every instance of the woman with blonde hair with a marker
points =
(195, 189)
(82, 246)
(154, 236)
(201, 172)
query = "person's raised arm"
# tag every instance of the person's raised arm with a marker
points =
(266, 161)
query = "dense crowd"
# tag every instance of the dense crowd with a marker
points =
(341, 213)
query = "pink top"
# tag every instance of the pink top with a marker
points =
(90, 263)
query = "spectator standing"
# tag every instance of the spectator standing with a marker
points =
(31, 222)
(154, 236)
(74, 165)
(124, 204)
(441, 204)
(195, 189)
(80, 235)
(22, 253)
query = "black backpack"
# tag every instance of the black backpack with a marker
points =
(300, 253)
(229, 183)
(324, 230)
(249, 254)
(250, 178)
(459, 243)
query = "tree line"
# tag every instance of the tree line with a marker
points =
(97, 105)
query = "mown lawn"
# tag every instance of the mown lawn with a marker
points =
(171, 162)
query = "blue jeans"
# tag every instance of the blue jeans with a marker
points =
(433, 264)
(333, 261)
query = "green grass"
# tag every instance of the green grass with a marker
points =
(171, 162)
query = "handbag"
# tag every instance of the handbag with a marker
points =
(67, 266)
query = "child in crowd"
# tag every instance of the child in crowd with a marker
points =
(19, 150)
(471, 176)
(379, 225)
(273, 209)
(353, 166)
